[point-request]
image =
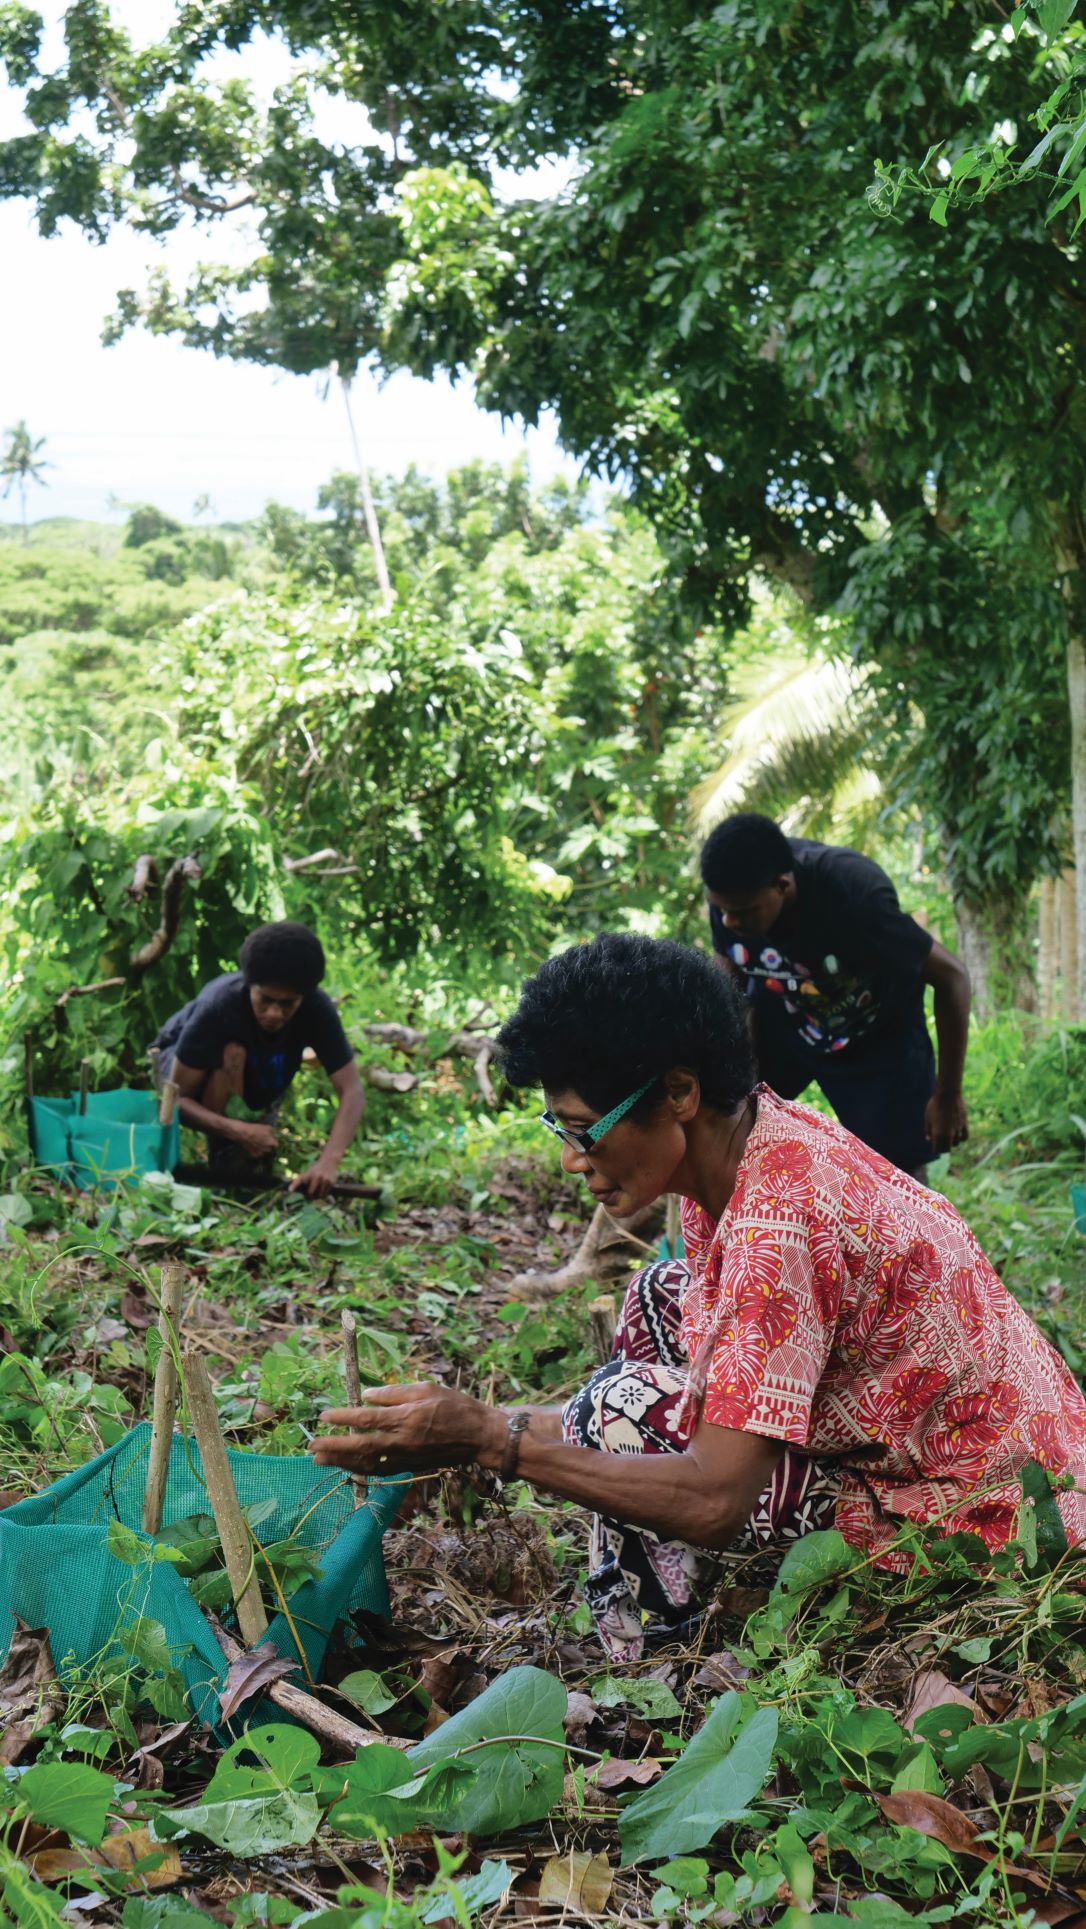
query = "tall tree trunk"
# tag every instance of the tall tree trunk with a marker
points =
(1076, 691)
(369, 507)
(1070, 1007)
(22, 500)
(995, 941)
(1047, 946)
(973, 949)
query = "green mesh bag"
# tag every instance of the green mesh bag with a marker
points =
(117, 1137)
(57, 1571)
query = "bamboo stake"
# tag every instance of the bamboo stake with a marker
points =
(84, 1084)
(354, 1386)
(168, 1101)
(674, 1224)
(237, 1543)
(28, 1063)
(155, 1057)
(165, 1402)
(602, 1320)
(325, 1722)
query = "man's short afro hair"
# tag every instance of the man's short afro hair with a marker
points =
(604, 1018)
(744, 854)
(283, 954)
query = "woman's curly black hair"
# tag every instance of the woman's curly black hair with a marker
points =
(603, 1018)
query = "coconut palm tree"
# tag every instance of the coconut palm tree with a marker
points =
(801, 743)
(21, 464)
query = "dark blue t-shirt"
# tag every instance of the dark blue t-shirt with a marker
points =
(850, 967)
(222, 1014)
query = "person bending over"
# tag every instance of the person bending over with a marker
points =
(835, 1348)
(243, 1037)
(835, 972)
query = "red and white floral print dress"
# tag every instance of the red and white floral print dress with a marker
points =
(841, 1305)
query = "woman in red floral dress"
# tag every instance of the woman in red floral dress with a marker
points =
(835, 1347)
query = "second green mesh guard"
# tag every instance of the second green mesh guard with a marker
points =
(57, 1572)
(117, 1137)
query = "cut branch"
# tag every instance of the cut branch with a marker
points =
(165, 1401)
(145, 874)
(353, 1378)
(237, 1542)
(183, 870)
(84, 991)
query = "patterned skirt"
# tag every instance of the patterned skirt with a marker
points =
(640, 1402)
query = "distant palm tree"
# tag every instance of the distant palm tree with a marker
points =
(801, 743)
(21, 464)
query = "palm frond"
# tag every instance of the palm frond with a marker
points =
(798, 746)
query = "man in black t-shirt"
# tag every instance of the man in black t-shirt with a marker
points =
(835, 972)
(243, 1037)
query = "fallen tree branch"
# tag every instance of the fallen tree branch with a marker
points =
(401, 1038)
(481, 1050)
(332, 1728)
(386, 1081)
(327, 856)
(183, 870)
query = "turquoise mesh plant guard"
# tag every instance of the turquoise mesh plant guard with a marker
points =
(117, 1137)
(56, 1570)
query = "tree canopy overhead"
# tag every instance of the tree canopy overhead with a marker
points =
(884, 415)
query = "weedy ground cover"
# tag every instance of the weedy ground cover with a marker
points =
(831, 1743)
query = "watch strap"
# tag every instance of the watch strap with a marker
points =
(517, 1423)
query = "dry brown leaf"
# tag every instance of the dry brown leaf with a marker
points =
(437, 1676)
(581, 1712)
(28, 1690)
(248, 1674)
(619, 1774)
(49, 1865)
(120, 1852)
(740, 1602)
(123, 1851)
(721, 1671)
(930, 1815)
(933, 1689)
(580, 1881)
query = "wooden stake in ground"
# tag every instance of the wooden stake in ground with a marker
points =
(84, 1084)
(354, 1386)
(602, 1320)
(165, 1403)
(168, 1101)
(237, 1542)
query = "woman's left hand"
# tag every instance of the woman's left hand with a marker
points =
(411, 1427)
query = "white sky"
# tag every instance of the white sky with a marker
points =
(150, 420)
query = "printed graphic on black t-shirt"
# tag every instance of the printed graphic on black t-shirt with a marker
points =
(222, 1014)
(850, 965)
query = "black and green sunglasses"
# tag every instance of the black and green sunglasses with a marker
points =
(587, 1140)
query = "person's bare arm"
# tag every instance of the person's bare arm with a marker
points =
(319, 1178)
(703, 1495)
(946, 1118)
(256, 1138)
